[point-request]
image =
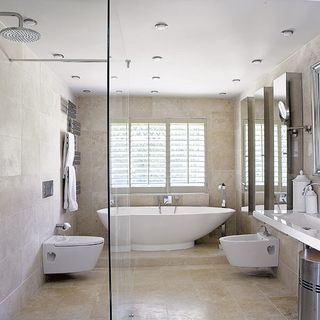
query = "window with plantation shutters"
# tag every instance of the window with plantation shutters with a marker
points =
(280, 154)
(158, 155)
(119, 155)
(187, 154)
(259, 153)
(148, 154)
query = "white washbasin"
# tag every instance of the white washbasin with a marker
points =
(305, 221)
(301, 226)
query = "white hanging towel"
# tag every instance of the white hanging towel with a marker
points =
(69, 174)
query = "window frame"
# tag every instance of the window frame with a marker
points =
(166, 189)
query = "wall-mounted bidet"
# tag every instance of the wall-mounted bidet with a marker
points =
(251, 250)
(67, 254)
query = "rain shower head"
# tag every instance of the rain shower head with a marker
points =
(20, 33)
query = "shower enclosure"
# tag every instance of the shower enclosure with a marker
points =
(118, 112)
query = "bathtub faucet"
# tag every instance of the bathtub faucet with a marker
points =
(222, 188)
(167, 199)
(159, 204)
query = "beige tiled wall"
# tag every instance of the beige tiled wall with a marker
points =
(92, 170)
(219, 114)
(300, 61)
(31, 126)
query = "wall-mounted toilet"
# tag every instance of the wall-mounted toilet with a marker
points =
(67, 254)
(251, 250)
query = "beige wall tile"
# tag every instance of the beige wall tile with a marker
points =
(10, 156)
(30, 151)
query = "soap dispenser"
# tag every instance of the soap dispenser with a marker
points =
(299, 184)
(311, 200)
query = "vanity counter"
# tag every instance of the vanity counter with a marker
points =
(300, 226)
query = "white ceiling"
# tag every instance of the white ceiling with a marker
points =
(207, 44)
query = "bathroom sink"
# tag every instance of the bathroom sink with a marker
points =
(300, 226)
(305, 221)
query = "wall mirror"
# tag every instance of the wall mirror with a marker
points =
(247, 158)
(263, 148)
(316, 118)
(288, 136)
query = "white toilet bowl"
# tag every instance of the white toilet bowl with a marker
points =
(251, 250)
(67, 254)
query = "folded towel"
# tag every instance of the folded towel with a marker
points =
(69, 173)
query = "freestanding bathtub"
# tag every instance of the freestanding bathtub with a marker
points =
(146, 229)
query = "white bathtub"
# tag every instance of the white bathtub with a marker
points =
(145, 229)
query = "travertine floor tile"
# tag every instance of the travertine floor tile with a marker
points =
(210, 291)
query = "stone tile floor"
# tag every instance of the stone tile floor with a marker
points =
(210, 291)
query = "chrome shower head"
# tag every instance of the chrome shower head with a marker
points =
(20, 33)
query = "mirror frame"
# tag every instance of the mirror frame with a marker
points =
(316, 117)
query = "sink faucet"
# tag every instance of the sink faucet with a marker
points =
(265, 232)
(222, 188)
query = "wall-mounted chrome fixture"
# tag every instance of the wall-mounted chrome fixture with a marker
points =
(64, 226)
(284, 111)
(222, 188)
(294, 130)
(20, 33)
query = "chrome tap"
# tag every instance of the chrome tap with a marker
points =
(167, 199)
(64, 226)
(159, 204)
(222, 188)
(265, 232)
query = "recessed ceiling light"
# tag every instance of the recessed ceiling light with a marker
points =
(29, 22)
(236, 80)
(256, 61)
(75, 77)
(58, 55)
(114, 77)
(157, 58)
(287, 32)
(161, 26)
(86, 91)
(222, 93)
(155, 78)
(119, 91)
